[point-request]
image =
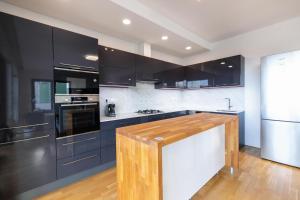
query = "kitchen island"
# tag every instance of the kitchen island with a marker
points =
(174, 158)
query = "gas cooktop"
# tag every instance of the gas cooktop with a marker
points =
(149, 111)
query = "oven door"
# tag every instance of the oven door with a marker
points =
(73, 119)
(75, 81)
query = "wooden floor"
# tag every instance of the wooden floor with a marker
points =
(257, 179)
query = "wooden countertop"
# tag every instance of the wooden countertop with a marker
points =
(139, 151)
(168, 131)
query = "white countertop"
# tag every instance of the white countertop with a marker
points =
(133, 115)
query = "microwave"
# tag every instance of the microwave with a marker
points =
(75, 81)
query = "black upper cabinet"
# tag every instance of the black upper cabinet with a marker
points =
(225, 72)
(200, 76)
(158, 71)
(116, 67)
(72, 50)
(27, 139)
(171, 79)
(229, 71)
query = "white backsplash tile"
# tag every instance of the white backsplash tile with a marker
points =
(144, 96)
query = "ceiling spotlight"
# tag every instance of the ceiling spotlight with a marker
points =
(230, 66)
(126, 21)
(165, 37)
(188, 48)
(223, 63)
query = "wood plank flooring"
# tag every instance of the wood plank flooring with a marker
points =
(257, 179)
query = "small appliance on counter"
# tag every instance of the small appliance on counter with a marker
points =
(110, 109)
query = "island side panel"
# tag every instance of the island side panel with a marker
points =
(232, 143)
(139, 168)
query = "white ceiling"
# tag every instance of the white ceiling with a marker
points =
(195, 23)
(219, 19)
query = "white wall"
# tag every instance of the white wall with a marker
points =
(273, 39)
(143, 96)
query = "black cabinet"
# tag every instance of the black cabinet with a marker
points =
(116, 67)
(27, 164)
(77, 153)
(229, 71)
(171, 79)
(200, 76)
(27, 149)
(225, 72)
(150, 69)
(74, 50)
(77, 163)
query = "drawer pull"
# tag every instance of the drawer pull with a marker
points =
(66, 144)
(75, 161)
(25, 140)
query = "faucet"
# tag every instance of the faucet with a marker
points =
(229, 103)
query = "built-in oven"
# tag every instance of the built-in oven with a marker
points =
(75, 80)
(76, 115)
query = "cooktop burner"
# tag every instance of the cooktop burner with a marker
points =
(149, 111)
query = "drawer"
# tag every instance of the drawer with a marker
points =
(108, 137)
(78, 163)
(108, 154)
(70, 147)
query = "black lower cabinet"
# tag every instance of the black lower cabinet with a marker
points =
(26, 164)
(77, 163)
(108, 132)
(108, 154)
(77, 153)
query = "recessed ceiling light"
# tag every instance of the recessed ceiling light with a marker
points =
(165, 37)
(230, 66)
(223, 63)
(188, 48)
(126, 21)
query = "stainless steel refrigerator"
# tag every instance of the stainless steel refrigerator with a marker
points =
(280, 108)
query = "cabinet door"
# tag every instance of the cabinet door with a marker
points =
(72, 50)
(174, 78)
(199, 76)
(116, 76)
(116, 58)
(116, 67)
(229, 71)
(147, 69)
(26, 164)
(26, 73)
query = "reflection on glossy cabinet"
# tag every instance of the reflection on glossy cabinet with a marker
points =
(117, 68)
(171, 79)
(72, 50)
(225, 72)
(27, 139)
(148, 69)
(26, 72)
(229, 71)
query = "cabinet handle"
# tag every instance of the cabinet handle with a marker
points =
(28, 126)
(76, 70)
(25, 140)
(76, 66)
(79, 104)
(66, 144)
(75, 161)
